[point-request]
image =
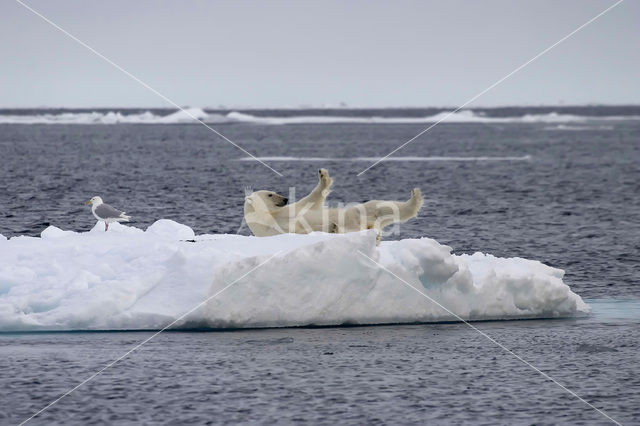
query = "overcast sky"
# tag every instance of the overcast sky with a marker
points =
(293, 53)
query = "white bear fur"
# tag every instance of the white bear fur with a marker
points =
(267, 213)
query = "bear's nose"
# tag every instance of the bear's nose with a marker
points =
(285, 200)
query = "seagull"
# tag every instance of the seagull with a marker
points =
(106, 213)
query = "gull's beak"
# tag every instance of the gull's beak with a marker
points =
(88, 202)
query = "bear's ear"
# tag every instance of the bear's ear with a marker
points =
(247, 191)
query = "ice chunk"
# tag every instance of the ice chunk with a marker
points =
(127, 278)
(54, 232)
(166, 228)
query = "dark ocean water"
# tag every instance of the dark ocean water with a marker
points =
(411, 374)
(574, 204)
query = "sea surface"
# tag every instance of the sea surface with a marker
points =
(562, 187)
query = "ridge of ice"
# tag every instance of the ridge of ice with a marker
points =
(194, 115)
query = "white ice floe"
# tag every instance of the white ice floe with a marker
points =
(128, 278)
(574, 128)
(388, 159)
(187, 115)
(464, 116)
(194, 115)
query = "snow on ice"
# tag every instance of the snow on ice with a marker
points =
(128, 278)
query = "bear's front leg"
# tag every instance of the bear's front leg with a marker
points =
(315, 199)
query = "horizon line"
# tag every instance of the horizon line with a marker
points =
(321, 107)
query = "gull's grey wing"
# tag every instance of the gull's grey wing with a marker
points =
(105, 211)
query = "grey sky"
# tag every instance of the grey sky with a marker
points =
(292, 53)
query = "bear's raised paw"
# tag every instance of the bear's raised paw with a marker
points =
(324, 177)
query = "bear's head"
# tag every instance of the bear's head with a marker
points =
(265, 201)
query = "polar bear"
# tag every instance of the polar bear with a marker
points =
(268, 213)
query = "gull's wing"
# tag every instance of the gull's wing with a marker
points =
(105, 211)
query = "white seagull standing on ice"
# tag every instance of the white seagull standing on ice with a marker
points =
(106, 213)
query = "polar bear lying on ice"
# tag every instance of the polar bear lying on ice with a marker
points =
(268, 213)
